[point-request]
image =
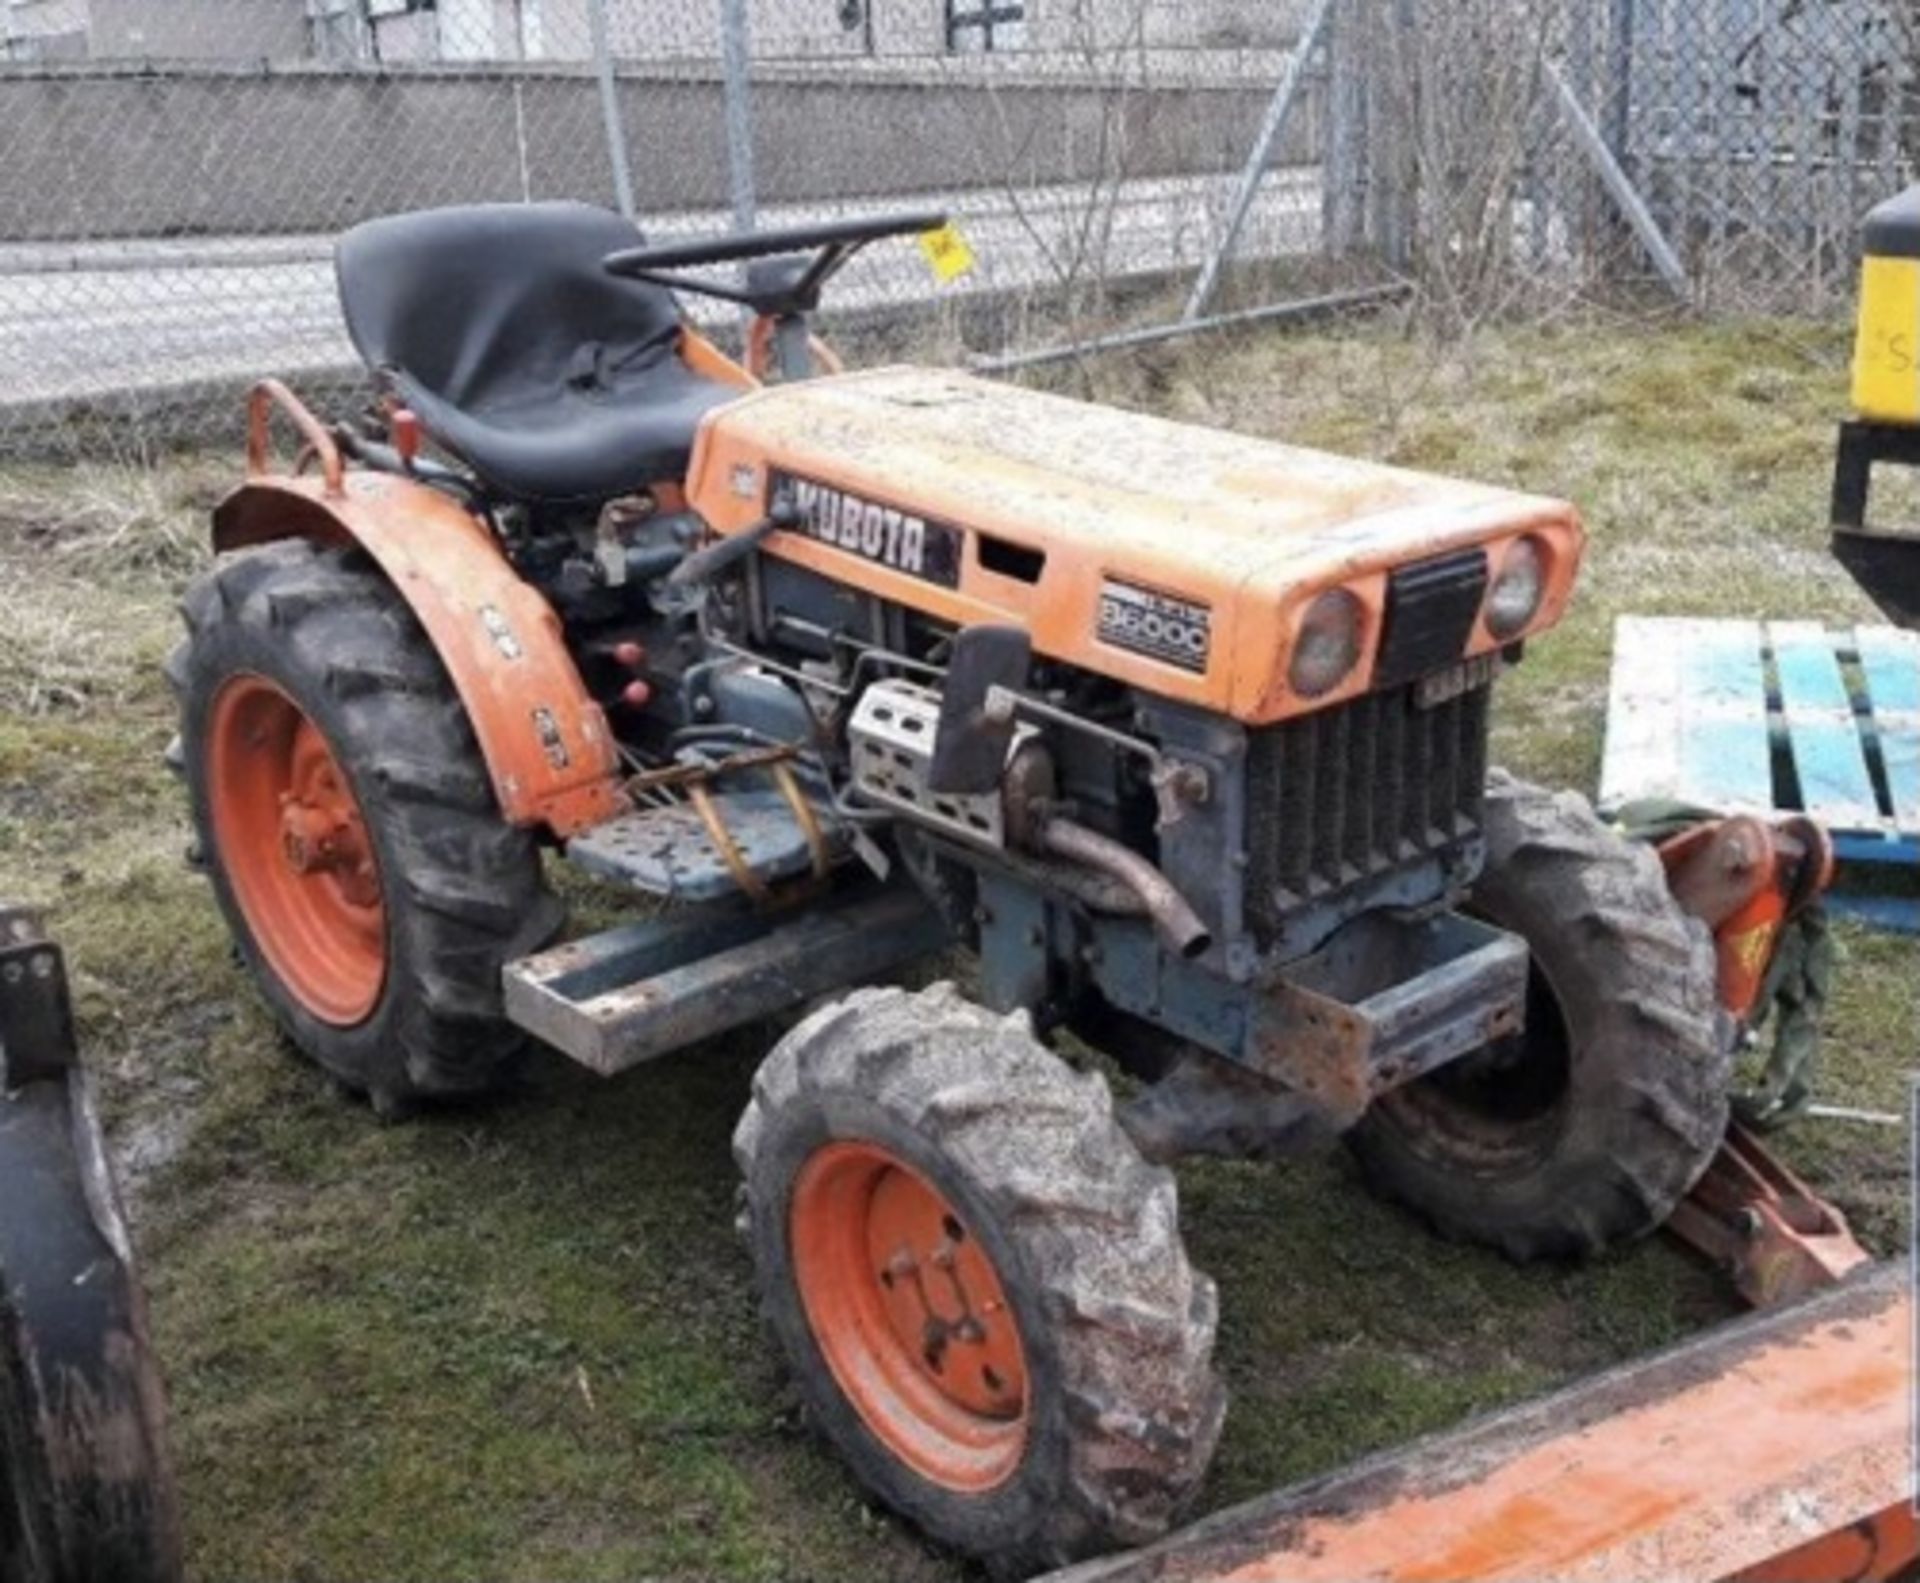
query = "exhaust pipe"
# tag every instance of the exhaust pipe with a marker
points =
(1174, 919)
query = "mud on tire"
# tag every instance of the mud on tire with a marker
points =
(461, 890)
(1122, 1408)
(1591, 1127)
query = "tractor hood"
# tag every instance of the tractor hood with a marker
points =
(1175, 558)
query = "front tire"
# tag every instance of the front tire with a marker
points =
(345, 818)
(979, 1283)
(1591, 1126)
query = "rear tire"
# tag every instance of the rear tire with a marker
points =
(1081, 1411)
(1590, 1127)
(386, 970)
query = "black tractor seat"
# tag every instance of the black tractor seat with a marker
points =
(553, 380)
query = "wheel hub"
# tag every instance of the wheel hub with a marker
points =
(910, 1314)
(295, 850)
(326, 836)
(951, 1315)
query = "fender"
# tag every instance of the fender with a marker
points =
(547, 745)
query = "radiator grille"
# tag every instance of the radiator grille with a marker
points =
(1348, 793)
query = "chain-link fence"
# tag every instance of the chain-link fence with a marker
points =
(176, 170)
(1723, 151)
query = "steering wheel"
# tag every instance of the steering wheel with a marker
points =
(791, 286)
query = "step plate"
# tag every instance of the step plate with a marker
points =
(668, 851)
(645, 989)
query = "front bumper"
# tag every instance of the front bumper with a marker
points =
(1386, 1000)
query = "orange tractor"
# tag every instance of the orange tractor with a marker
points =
(1181, 735)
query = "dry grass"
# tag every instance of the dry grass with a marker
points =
(375, 1336)
(84, 556)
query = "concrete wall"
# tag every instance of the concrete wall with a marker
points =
(44, 29)
(170, 29)
(819, 30)
(508, 30)
(92, 154)
(198, 29)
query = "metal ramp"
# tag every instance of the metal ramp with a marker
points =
(1776, 717)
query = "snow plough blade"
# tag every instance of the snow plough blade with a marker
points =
(1773, 1447)
(85, 1488)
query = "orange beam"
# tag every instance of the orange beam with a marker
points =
(1773, 1447)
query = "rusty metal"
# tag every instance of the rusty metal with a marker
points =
(86, 1492)
(1026, 790)
(1746, 878)
(1385, 1001)
(1318, 1047)
(1717, 868)
(672, 777)
(724, 843)
(646, 989)
(1774, 1235)
(261, 401)
(1177, 787)
(1770, 1448)
(804, 816)
(695, 778)
(1172, 914)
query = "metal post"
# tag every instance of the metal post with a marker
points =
(1279, 108)
(736, 48)
(1274, 313)
(1620, 97)
(1396, 134)
(1342, 157)
(610, 108)
(1615, 179)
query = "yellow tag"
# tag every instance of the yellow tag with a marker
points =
(947, 252)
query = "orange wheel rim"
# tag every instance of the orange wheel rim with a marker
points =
(295, 849)
(909, 1311)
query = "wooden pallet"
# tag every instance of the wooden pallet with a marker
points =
(1745, 716)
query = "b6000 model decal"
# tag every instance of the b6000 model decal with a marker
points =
(907, 543)
(1156, 625)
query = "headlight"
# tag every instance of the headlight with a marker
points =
(1328, 645)
(1518, 588)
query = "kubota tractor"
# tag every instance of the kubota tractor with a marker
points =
(1181, 734)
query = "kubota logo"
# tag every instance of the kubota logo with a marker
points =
(899, 539)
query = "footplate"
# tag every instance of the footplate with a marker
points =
(671, 851)
(1385, 1001)
(645, 989)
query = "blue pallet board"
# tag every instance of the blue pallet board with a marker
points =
(1895, 914)
(1887, 661)
(1852, 848)
(1687, 715)
(1823, 732)
(1741, 716)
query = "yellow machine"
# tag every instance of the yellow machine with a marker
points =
(1886, 401)
(1886, 363)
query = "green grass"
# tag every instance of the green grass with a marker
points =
(518, 1342)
